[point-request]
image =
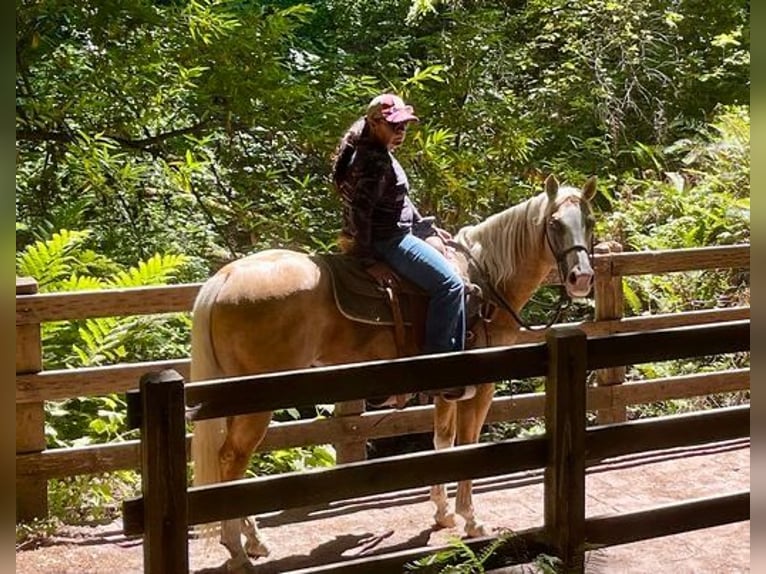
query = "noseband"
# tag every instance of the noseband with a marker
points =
(560, 256)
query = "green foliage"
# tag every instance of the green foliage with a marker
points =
(64, 262)
(206, 127)
(30, 534)
(90, 499)
(51, 262)
(292, 460)
(704, 201)
(460, 558)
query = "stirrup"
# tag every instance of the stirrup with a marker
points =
(456, 393)
(396, 401)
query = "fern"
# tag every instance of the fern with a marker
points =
(460, 558)
(63, 263)
(49, 262)
(81, 283)
(157, 270)
(103, 341)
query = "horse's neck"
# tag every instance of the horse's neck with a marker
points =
(510, 247)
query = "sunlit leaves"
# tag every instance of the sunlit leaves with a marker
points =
(52, 261)
(208, 20)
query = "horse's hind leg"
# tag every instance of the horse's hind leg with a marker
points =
(244, 434)
(471, 415)
(444, 437)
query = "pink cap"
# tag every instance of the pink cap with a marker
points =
(391, 108)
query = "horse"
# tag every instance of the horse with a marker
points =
(274, 310)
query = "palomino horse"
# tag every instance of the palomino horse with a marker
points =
(274, 310)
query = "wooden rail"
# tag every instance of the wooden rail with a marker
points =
(35, 464)
(168, 507)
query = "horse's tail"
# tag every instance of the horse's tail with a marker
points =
(208, 434)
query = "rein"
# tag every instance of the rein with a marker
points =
(499, 299)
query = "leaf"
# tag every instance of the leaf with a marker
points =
(157, 270)
(50, 261)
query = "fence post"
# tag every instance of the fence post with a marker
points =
(609, 305)
(163, 473)
(352, 450)
(565, 391)
(31, 492)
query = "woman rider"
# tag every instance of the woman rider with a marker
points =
(379, 219)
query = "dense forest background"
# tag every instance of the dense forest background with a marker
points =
(156, 140)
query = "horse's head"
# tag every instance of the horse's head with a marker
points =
(569, 232)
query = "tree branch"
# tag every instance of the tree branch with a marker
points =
(138, 144)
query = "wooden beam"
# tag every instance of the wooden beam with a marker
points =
(609, 307)
(56, 385)
(673, 260)
(667, 432)
(645, 323)
(31, 492)
(681, 387)
(70, 306)
(564, 495)
(234, 396)
(55, 463)
(351, 445)
(268, 493)
(668, 344)
(163, 475)
(668, 519)
(93, 381)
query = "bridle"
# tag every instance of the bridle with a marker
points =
(497, 298)
(560, 256)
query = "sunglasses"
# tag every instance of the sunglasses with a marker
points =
(397, 127)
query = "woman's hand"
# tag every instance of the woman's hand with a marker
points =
(440, 240)
(443, 234)
(382, 274)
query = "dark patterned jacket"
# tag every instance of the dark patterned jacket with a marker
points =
(374, 189)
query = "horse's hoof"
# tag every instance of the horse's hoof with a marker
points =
(476, 531)
(446, 520)
(256, 549)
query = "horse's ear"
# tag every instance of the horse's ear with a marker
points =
(551, 186)
(589, 189)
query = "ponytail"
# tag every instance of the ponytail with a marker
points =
(344, 151)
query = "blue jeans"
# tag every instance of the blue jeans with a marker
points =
(416, 260)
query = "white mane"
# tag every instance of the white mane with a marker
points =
(504, 239)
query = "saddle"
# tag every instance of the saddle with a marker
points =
(359, 298)
(403, 306)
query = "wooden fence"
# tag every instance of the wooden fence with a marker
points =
(35, 464)
(167, 507)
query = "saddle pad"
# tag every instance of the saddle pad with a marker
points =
(357, 295)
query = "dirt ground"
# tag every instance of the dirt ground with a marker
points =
(386, 523)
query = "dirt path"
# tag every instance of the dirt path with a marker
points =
(402, 520)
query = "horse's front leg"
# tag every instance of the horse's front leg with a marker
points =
(471, 415)
(243, 435)
(444, 437)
